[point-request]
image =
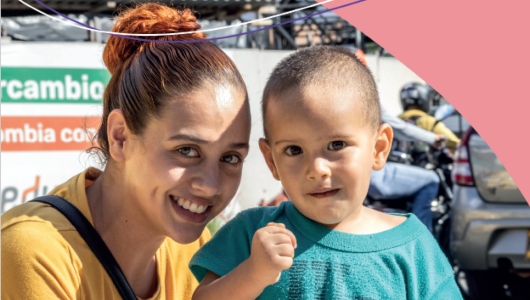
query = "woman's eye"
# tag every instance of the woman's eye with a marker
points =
(336, 145)
(188, 151)
(293, 150)
(231, 159)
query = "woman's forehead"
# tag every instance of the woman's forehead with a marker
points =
(205, 112)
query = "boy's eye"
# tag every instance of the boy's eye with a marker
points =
(231, 159)
(336, 145)
(188, 151)
(293, 150)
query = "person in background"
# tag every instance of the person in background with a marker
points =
(416, 100)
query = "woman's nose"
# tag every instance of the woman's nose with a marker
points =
(207, 183)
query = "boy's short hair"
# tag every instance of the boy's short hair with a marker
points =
(324, 65)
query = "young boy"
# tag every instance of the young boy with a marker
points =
(323, 138)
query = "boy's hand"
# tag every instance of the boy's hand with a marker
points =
(272, 251)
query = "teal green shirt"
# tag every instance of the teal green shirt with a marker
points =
(404, 262)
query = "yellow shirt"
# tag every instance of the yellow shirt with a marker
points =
(44, 257)
(427, 122)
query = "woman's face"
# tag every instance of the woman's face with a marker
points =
(186, 166)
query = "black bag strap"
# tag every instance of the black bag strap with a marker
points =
(94, 241)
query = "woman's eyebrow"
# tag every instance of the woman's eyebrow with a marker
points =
(198, 140)
(239, 146)
(187, 137)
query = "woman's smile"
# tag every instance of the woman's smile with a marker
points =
(190, 211)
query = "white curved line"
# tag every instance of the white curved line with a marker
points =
(68, 22)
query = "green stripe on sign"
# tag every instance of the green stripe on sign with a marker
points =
(53, 85)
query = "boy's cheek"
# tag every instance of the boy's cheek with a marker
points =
(290, 167)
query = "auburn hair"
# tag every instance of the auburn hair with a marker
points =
(145, 75)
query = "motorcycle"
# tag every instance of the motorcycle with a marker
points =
(440, 161)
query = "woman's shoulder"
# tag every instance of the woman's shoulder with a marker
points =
(31, 232)
(37, 249)
(34, 214)
(34, 227)
(35, 238)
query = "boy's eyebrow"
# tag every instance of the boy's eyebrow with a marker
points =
(198, 140)
(283, 141)
(340, 136)
(333, 137)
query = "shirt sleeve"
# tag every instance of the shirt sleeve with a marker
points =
(37, 264)
(435, 274)
(442, 129)
(447, 290)
(405, 131)
(228, 248)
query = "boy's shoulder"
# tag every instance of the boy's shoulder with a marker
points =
(264, 213)
(380, 221)
(251, 219)
(402, 232)
(413, 241)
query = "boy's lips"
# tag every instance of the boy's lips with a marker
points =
(323, 192)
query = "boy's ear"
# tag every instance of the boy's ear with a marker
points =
(117, 133)
(383, 144)
(267, 154)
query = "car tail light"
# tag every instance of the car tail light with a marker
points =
(462, 174)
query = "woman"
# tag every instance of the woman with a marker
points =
(174, 133)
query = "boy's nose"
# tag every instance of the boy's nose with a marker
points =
(318, 169)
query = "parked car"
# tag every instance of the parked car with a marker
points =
(490, 224)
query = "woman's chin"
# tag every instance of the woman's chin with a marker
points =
(187, 235)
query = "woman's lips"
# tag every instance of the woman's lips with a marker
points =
(192, 206)
(189, 210)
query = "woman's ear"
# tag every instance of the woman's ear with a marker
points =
(267, 154)
(117, 134)
(383, 144)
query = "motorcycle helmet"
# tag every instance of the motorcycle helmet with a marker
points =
(416, 94)
(435, 100)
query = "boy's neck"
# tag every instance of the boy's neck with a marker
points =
(365, 220)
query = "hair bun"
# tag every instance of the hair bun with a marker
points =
(148, 18)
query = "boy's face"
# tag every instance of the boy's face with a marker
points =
(323, 150)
